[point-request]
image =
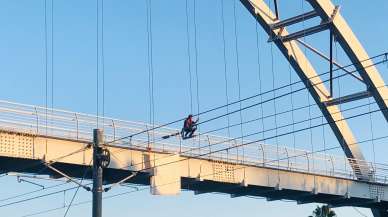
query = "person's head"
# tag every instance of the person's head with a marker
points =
(190, 116)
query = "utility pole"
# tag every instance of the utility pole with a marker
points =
(98, 141)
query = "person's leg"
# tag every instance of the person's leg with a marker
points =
(187, 131)
(183, 133)
(192, 131)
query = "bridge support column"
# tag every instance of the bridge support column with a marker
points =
(98, 140)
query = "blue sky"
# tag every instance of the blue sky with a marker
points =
(124, 61)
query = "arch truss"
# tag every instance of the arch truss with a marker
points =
(290, 46)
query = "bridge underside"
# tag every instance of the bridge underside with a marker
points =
(168, 173)
(111, 175)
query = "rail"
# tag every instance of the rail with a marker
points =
(57, 123)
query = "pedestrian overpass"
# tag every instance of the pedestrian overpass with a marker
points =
(58, 143)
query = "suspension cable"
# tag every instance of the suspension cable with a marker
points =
(46, 65)
(238, 75)
(103, 61)
(251, 97)
(52, 55)
(189, 54)
(259, 75)
(225, 64)
(97, 63)
(150, 69)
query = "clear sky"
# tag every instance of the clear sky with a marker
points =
(72, 66)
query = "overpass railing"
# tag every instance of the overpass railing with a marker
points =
(16, 117)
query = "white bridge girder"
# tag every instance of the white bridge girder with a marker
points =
(169, 172)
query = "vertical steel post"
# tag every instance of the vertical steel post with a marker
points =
(276, 9)
(98, 140)
(331, 61)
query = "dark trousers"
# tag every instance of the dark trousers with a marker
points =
(187, 132)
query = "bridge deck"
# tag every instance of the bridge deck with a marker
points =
(27, 137)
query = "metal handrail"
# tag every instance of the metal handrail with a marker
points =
(77, 126)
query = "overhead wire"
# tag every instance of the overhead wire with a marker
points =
(38, 163)
(146, 188)
(46, 68)
(268, 130)
(103, 61)
(307, 82)
(196, 66)
(225, 64)
(97, 65)
(274, 95)
(254, 96)
(251, 142)
(79, 186)
(32, 192)
(52, 55)
(238, 75)
(189, 54)
(150, 68)
(259, 74)
(272, 137)
(272, 99)
(52, 193)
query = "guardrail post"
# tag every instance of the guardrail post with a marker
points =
(262, 149)
(114, 130)
(37, 121)
(332, 165)
(288, 159)
(308, 162)
(210, 149)
(180, 144)
(77, 126)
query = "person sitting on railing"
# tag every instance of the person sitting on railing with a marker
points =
(189, 127)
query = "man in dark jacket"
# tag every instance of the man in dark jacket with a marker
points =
(189, 127)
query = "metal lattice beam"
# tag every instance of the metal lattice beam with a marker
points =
(291, 50)
(355, 51)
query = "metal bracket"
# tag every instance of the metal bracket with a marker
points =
(66, 176)
(120, 182)
(348, 98)
(294, 20)
(33, 183)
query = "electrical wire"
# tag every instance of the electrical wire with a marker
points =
(196, 66)
(224, 149)
(272, 137)
(189, 55)
(103, 61)
(146, 188)
(238, 75)
(259, 75)
(79, 186)
(52, 55)
(97, 64)
(259, 103)
(225, 65)
(35, 164)
(289, 124)
(251, 97)
(32, 192)
(150, 69)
